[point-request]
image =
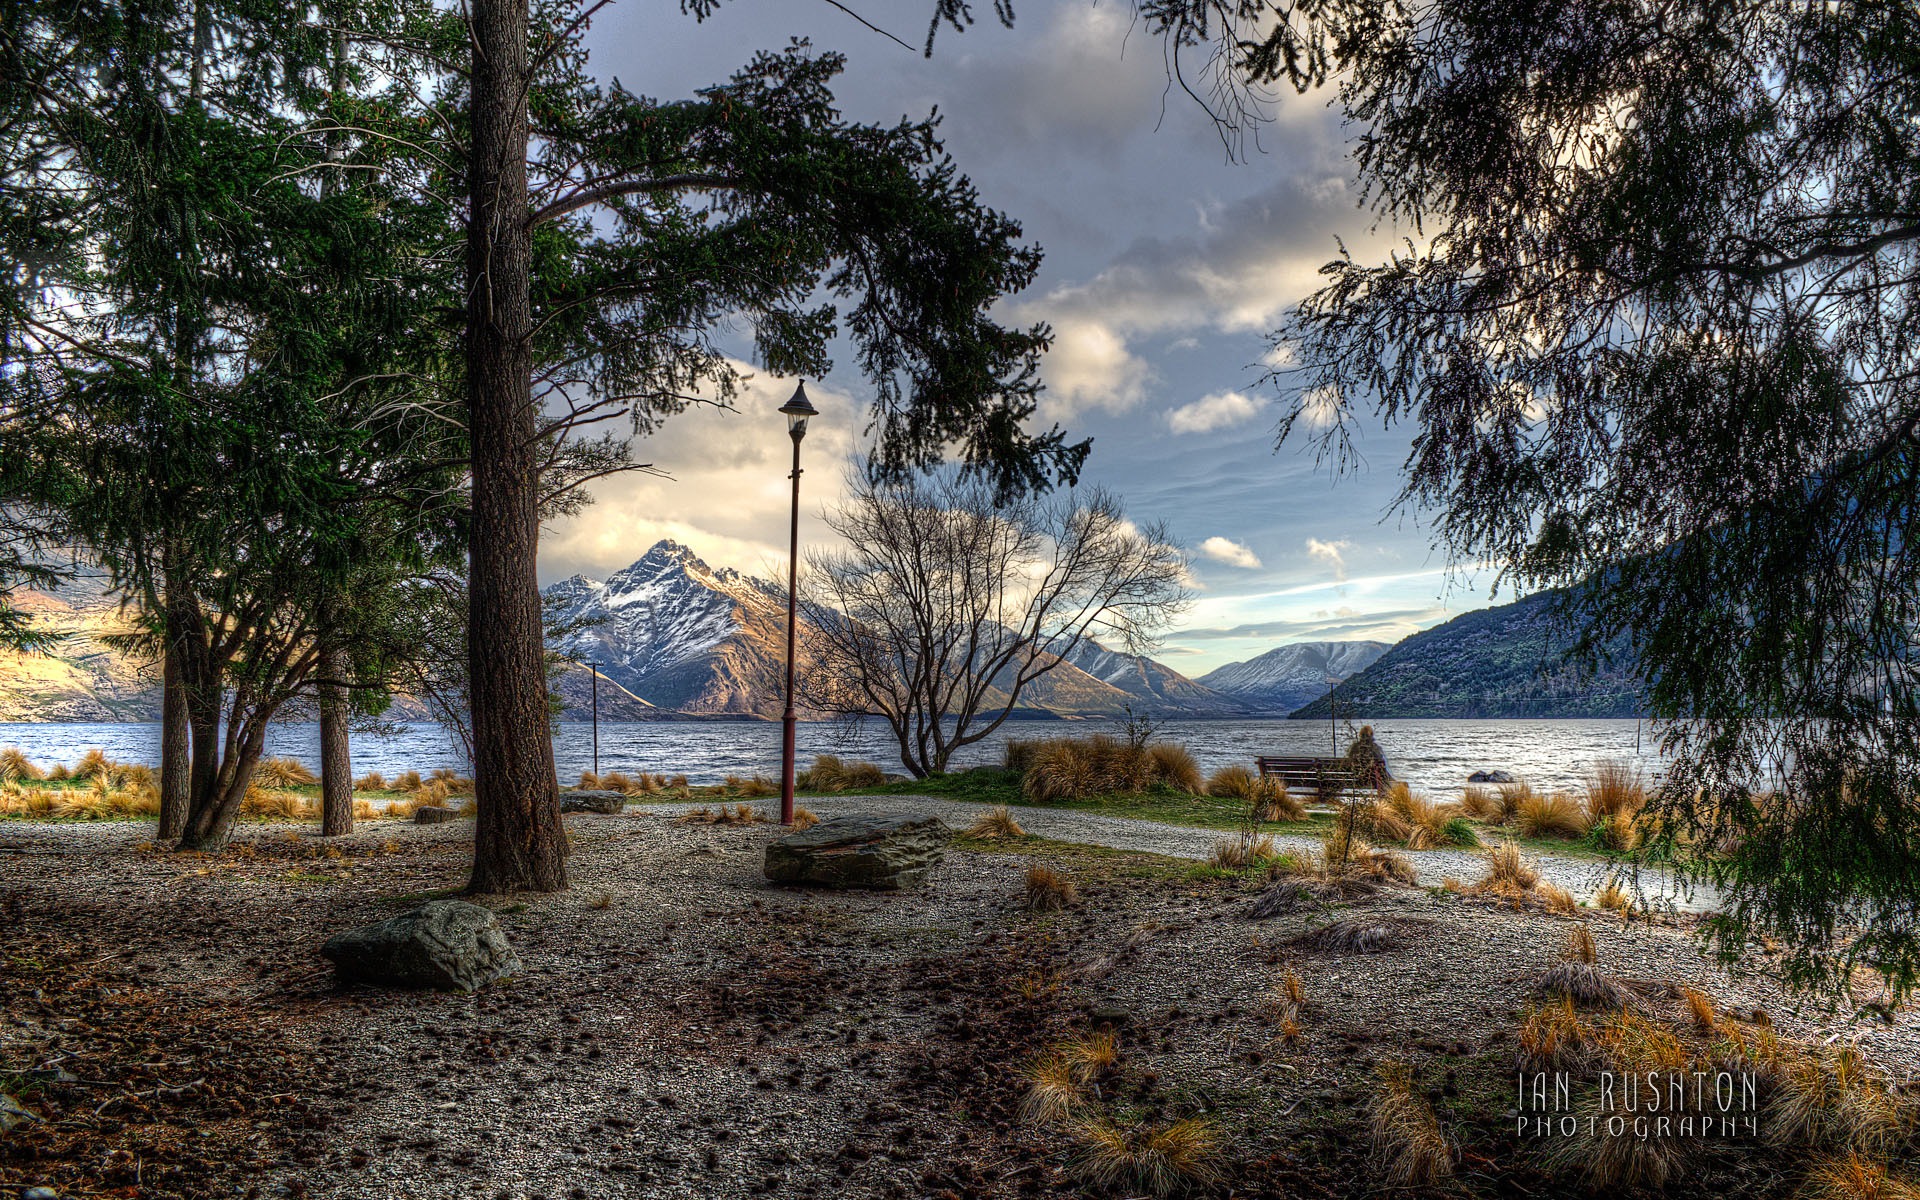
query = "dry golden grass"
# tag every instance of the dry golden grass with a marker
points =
(372, 781)
(92, 764)
(1234, 782)
(1241, 852)
(1580, 947)
(996, 822)
(1555, 816)
(1553, 1038)
(804, 817)
(1347, 856)
(726, 814)
(1158, 1160)
(1479, 803)
(757, 787)
(1510, 876)
(1292, 991)
(1053, 1091)
(283, 773)
(1173, 765)
(1507, 799)
(1555, 898)
(1699, 1009)
(1613, 898)
(1577, 979)
(1374, 821)
(410, 782)
(1048, 890)
(14, 764)
(1850, 1177)
(1091, 1056)
(1834, 1100)
(404, 808)
(1083, 768)
(603, 901)
(1409, 1146)
(1618, 832)
(829, 773)
(58, 773)
(1614, 788)
(363, 810)
(1355, 935)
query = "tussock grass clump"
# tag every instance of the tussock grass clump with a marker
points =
(1346, 855)
(14, 764)
(804, 818)
(1373, 821)
(1578, 978)
(1243, 851)
(1509, 874)
(1554, 816)
(1507, 800)
(1614, 788)
(1429, 823)
(363, 810)
(270, 804)
(372, 781)
(1408, 1144)
(409, 782)
(726, 814)
(1613, 898)
(1479, 803)
(644, 784)
(1555, 898)
(1048, 890)
(1266, 799)
(1834, 1101)
(1083, 768)
(1158, 1160)
(1553, 1038)
(1053, 1091)
(404, 807)
(1850, 1177)
(830, 773)
(283, 773)
(93, 764)
(1091, 1055)
(997, 822)
(1699, 1009)
(1355, 935)
(757, 787)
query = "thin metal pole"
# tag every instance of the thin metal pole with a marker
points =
(595, 668)
(793, 572)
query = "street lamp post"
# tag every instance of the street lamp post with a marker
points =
(796, 410)
(594, 669)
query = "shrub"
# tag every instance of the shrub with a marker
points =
(14, 764)
(1426, 821)
(1408, 1143)
(1048, 890)
(1158, 1160)
(410, 782)
(283, 773)
(1479, 803)
(59, 772)
(1460, 832)
(1507, 801)
(996, 822)
(94, 763)
(1233, 782)
(1616, 832)
(1555, 816)
(372, 781)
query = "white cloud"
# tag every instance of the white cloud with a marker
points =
(1216, 411)
(1232, 553)
(1090, 367)
(729, 494)
(1331, 553)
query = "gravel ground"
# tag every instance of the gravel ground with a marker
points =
(1581, 876)
(683, 1029)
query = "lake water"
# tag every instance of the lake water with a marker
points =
(1434, 756)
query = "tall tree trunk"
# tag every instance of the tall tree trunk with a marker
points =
(336, 759)
(215, 810)
(519, 844)
(176, 784)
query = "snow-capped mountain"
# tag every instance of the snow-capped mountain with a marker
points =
(679, 634)
(1155, 686)
(1287, 677)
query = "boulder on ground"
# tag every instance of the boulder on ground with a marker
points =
(433, 814)
(585, 800)
(860, 852)
(1489, 777)
(13, 1113)
(442, 944)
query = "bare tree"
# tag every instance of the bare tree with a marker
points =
(947, 606)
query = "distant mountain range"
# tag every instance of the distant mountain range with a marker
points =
(1286, 677)
(1505, 661)
(677, 639)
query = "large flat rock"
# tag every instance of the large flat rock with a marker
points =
(444, 944)
(887, 853)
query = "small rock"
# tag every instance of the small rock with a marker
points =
(39, 1193)
(13, 1114)
(887, 853)
(434, 815)
(443, 944)
(1489, 777)
(583, 800)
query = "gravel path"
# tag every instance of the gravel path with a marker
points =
(1583, 877)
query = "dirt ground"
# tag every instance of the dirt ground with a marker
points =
(684, 1029)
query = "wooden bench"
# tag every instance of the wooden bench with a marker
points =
(1326, 777)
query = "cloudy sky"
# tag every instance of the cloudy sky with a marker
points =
(1166, 266)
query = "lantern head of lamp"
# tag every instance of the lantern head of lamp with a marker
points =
(797, 411)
